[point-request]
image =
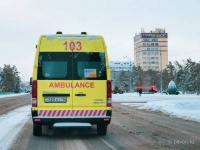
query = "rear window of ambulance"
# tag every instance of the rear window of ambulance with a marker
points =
(89, 66)
(71, 66)
(54, 69)
(54, 66)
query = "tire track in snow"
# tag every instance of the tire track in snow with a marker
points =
(11, 124)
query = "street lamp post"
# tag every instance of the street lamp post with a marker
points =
(130, 72)
(160, 71)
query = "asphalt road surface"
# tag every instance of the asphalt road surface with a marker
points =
(129, 129)
(10, 103)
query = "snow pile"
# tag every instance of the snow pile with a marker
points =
(181, 106)
(134, 97)
(3, 96)
(133, 104)
(11, 124)
(185, 109)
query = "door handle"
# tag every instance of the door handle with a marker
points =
(56, 94)
(80, 94)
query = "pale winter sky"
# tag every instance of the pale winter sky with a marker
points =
(23, 21)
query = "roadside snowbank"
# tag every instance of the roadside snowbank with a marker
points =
(133, 104)
(3, 96)
(185, 109)
(10, 125)
(127, 97)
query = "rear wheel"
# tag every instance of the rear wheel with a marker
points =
(101, 129)
(37, 129)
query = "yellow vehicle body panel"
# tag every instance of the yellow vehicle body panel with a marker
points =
(96, 95)
(48, 87)
(53, 43)
(95, 90)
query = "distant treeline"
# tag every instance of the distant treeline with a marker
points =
(185, 74)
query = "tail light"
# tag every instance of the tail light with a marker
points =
(106, 119)
(109, 93)
(34, 93)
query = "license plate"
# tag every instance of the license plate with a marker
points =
(55, 99)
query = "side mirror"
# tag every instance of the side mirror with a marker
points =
(31, 81)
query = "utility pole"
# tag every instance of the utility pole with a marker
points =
(160, 71)
(130, 72)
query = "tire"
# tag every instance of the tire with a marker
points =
(101, 129)
(37, 130)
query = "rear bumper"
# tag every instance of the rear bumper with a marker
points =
(47, 121)
(92, 120)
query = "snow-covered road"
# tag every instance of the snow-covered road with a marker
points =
(129, 129)
(11, 124)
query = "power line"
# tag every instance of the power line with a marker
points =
(185, 54)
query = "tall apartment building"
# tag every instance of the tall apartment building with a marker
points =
(151, 49)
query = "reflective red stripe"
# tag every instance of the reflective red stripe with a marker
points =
(49, 113)
(40, 112)
(77, 113)
(72, 112)
(54, 111)
(81, 112)
(104, 112)
(95, 113)
(68, 112)
(99, 113)
(90, 112)
(86, 113)
(58, 113)
(63, 113)
(45, 113)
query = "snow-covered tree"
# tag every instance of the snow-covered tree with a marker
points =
(9, 79)
(134, 75)
(151, 77)
(123, 78)
(171, 70)
(181, 77)
(165, 79)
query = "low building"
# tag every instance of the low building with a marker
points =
(117, 66)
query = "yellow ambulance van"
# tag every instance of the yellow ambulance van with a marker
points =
(71, 82)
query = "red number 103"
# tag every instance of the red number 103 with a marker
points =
(73, 46)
